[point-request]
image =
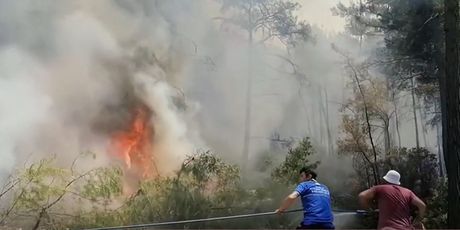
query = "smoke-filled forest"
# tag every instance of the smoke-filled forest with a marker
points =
(122, 113)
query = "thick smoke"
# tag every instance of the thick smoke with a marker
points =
(71, 73)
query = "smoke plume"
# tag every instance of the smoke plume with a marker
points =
(72, 75)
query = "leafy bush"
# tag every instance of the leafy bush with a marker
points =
(204, 186)
(50, 197)
(419, 172)
(436, 217)
(418, 168)
(298, 157)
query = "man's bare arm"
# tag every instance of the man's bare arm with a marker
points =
(421, 206)
(366, 197)
(288, 201)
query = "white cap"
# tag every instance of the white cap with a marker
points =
(392, 177)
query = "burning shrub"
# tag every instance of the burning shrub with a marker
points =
(134, 145)
(55, 198)
(203, 186)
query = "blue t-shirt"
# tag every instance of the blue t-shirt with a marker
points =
(316, 201)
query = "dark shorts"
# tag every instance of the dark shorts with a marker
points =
(317, 226)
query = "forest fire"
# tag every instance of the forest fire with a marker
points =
(134, 145)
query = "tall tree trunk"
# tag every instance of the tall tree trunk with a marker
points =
(395, 105)
(247, 120)
(330, 145)
(369, 183)
(441, 162)
(308, 123)
(414, 110)
(368, 123)
(360, 13)
(311, 94)
(386, 134)
(321, 114)
(387, 119)
(450, 86)
(324, 118)
(422, 122)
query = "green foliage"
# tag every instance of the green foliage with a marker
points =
(418, 168)
(205, 168)
(39, 193)
(298, 157)
(270, 18)
(38, 183)
(419, 172)
(412, 33)
(104, 183)
(436, 217)
(359, 23)
(164, 200)
(205, 186)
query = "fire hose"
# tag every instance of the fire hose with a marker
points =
(356, 212)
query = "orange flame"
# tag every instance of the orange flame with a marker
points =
(134, 146)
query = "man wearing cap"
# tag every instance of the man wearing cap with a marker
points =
(316, 202)
(394, 203)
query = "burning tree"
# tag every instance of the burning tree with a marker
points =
(134, 146)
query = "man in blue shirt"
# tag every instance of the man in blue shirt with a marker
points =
(316, 202)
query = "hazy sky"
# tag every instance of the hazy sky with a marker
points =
(318, 12)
